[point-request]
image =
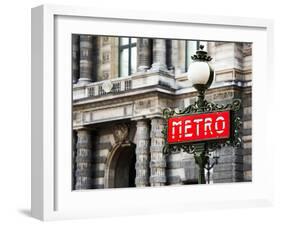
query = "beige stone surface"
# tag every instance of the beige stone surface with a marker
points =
(142, 97)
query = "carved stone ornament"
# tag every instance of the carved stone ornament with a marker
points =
(107, 86)
(120, 133)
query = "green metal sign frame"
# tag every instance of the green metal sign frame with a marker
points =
(202, 150)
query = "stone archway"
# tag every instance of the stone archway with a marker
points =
(120, 166)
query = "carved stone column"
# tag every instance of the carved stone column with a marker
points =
(75, 58)
(144, 56)
(159, 54)
(74, 153)
(158, 160)
(142, 154)
(84, 160)
(229, 167)
(175, 56)
(86, 55)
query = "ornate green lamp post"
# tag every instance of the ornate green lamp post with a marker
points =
(200, 73)
(201, 76)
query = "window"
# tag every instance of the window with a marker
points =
(127, 56)
(190, 49)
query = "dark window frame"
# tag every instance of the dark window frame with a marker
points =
(186, 52)
(121, 47)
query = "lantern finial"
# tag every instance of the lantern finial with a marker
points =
(201, 55)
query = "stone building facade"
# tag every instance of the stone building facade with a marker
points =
(120, 88)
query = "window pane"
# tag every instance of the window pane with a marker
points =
(191, 50)
(124, 41)
(205, 45)
(133, 40)
(124, 64)
(133, 60)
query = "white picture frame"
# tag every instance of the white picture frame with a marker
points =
(53, 199)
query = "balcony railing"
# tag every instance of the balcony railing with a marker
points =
(120, 85)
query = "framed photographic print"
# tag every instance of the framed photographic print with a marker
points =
(145, 114)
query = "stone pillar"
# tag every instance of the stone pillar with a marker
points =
(229, 167)
(86, 55)
(227, 57)
(159, 55)
(175, 56)
(142, 154)
(247, 133)
(106, 60)
(158, 160)
(174, 171)
(75, 58)
(144, 56)
(84, 160)
(74, 153)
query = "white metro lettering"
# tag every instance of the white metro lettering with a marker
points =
(198, 127)
(220, 121)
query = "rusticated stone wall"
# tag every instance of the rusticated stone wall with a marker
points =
(142, 109)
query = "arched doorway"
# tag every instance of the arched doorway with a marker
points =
(120, 166)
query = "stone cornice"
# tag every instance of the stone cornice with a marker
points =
(246, 71)
(155, 90)
(126, 94)
(122, 100)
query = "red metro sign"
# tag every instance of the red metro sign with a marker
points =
(199, 127)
